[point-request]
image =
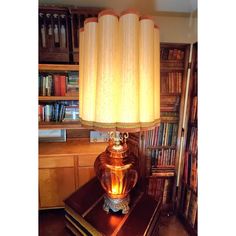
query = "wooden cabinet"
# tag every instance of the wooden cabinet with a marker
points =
(64, 167)
(85, 168)
(54, 31)
(59, 32)
(56, 180)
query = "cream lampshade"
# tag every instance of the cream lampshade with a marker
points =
(119, 91)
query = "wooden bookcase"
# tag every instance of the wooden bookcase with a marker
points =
(59, 32)
(188, 194)
(77, 16)
(52, 70)
(160, 147)
(54, 31)
(64, 167)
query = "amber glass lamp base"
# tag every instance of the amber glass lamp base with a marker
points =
(118, 174)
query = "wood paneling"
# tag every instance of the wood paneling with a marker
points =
(87, 160)
(55, 185)
(75, 147)
(56, 161)
(64, 167)
(85, 174)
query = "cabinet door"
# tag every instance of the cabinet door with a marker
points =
(85, 174)
(56, 180)
(85, 168)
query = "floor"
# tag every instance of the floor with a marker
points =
(51, 223)
(171, 226)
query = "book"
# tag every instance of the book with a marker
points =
(48, 113)
(57, 85)
(185, 174)
(193, 179)
(187, 201)
(192, 212)
(174, 135)
(193, 114)
(40, 113)
(62, 85)
(72, 88)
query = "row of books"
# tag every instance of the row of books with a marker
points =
(194, 113)
(170, 104)
(190, 170)
(192, 140)
(160, 188)
(163, 135)
(189, 208)
(58, 112)
(172, 54)
(162, 157)
(59, 84)
(171, 82)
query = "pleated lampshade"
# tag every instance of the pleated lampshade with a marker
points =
(119, 72)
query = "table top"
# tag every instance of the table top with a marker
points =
(84, 208)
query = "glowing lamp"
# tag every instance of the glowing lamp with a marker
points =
(119, 92)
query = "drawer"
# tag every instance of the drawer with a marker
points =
(87, 160)
(56, 161)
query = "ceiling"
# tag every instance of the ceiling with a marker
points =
(144, 6)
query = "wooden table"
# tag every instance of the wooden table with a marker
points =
(84, 214)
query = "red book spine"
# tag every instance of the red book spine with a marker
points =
(63, 85)
(57, 85)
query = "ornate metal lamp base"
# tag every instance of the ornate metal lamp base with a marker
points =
(116, 204)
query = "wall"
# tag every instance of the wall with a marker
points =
(177, 29)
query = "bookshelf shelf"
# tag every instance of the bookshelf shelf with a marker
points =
(58, 67)
(169, 119)
(60, 125)
(58, 98)
(172, 64)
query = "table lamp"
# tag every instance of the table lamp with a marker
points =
(119, 92)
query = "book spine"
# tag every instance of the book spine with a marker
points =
(62, 85)
(57, 85)
(43, 86)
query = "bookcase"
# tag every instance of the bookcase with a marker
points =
(188, 194)
(54, 30)
(59, 32)
(161, 146)
(58, 96)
